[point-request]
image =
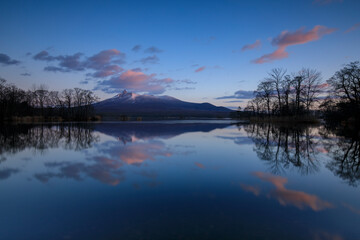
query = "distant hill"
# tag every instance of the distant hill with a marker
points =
(149, 106)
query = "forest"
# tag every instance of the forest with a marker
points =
(41, 104)
(304, 94)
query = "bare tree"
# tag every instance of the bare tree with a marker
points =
(346, 83)
(311, 88)
(265, 92)
(276, 77)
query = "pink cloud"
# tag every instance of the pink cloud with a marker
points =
(353, 28)
(136, 81)
(104, 57)
(286, 39)
(254, 45)
(200, 69)
(108, 71)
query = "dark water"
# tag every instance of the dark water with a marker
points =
(184, 180)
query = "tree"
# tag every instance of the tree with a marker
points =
(345, 92)
(265, 92)
(276, 77)
(311, 88)
(346, 83)
(286, 85)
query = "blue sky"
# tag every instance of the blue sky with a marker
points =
(191, 50)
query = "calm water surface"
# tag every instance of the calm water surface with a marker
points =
(178, 180)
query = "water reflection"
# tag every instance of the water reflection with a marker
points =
(285, 147)
(16, 138)
(343, 147)
(178, 181)
(285, 196)
(297, 148)
(130, 144)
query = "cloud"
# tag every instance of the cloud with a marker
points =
(107, 71)
(353, 28)
(186, 81)
(291, 197)
(286, 39)
(25, 74)
(44, 56)
(66, 63)
(241, 94)
(254, 45)
(136, 48)
(105, 63)
(135, 81)
(55, 69)
(153, 50)
(104, 58)
(325, 2)
(150, 60)
(182, 88)
(200, 69)
(5, 60)
(234, 101)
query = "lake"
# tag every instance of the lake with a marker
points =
(178, 180)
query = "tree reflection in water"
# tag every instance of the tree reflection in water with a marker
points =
(298, 147)
(16, 138)
(285, 147)
(343, 146)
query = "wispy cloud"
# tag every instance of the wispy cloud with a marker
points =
(153, 50)
(5, 60)
(254, 45)
(286, 39)
(150, 60)
(105, 63)
(353, 28)
(25, 74)
(200, 69)
(241, 94)
(136, 48)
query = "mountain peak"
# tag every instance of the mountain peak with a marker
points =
(123, 93)
(126, 94)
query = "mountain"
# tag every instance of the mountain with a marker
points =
(135, 105)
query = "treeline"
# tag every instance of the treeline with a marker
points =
(44, 105)
(282, 94)
(303, 93)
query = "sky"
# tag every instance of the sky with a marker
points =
(198, 51)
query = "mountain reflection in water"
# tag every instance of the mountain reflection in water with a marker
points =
(178, 180)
